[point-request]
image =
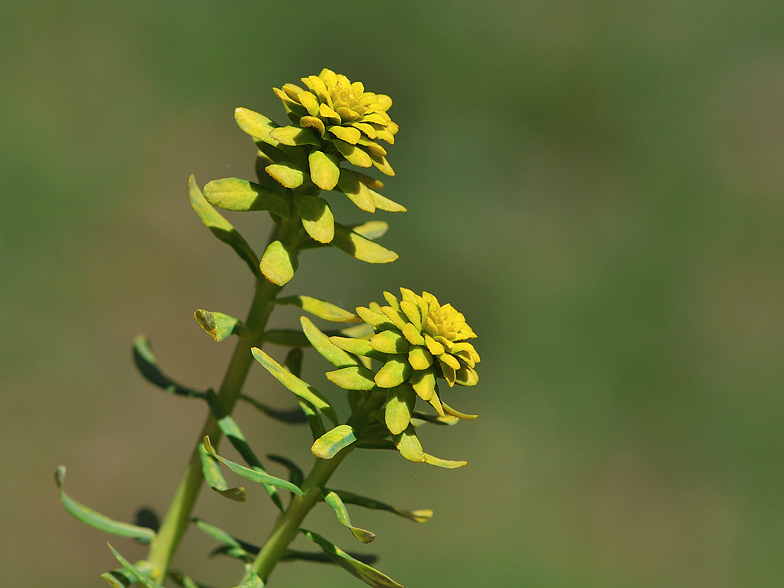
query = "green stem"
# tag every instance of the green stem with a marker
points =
(287, 525)
(178, 516)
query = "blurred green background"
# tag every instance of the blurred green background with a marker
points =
(597, 186)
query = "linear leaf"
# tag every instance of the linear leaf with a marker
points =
(244, 196)
(220, 227)
(141, 578)
(443, 463)
(147, 365)
(216, 481)
(361, 248)
(320, 308)
(297, 386)
(418, 516)
(119, 578)
(364, 572)
(229, 427)
(331, 442)
(325, 347)
(296, 475)
(252, 475)
(321, 557)
(291, 416)
(341, 512)
(96, 519)
(182, 580)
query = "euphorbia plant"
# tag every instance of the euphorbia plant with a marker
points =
(385, 357)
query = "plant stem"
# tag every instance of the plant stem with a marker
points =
(287, 525)
(178, 516)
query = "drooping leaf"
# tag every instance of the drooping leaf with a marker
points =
(296, 475)
(316, 217)
(252, 475)
(141, 578)
(220, 326)
(355, 377)
(324, 169)
(341, 512)
(326, 349)
(297, 386)
(320, 308)
(229, 427)
(443, 463)
(409, 446)
(433, 419)
(291, 416)
(278, 264)
(216, 481)
(364, 572)
(361, 248)
(321, 557)
(145, 362)
(456, 413)
(400, 405)
(221, 228)
(225, 538)
(330, 443)
(243, 196)
(418, 516)
(96, 519)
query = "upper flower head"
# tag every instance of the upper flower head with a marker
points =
(344, 115)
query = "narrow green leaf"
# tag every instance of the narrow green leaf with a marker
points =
(119, 578)
(355, 377)
(364, 572)
(96, 519)
(229, 427)
(288, 174)
(297, 386)
(400, 405)
(218, 534)
(456, 413)
(278, 263)
(145, 362)
(316, 217)
(360, 248)
(291, 416)
(221, 228)
(322, 344)
(216, 481)
(321, 557)
(320, 308)
(330, 443)
(409, 446)
(433, 419)
(252, 475)
(443, 463)
(286, 338)
(296, 475)
(418, 516)
(220, 326)
(244, 196)
(341, 512)
(324, 169)
(141, 578)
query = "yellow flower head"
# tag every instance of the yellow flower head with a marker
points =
(343, 114)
